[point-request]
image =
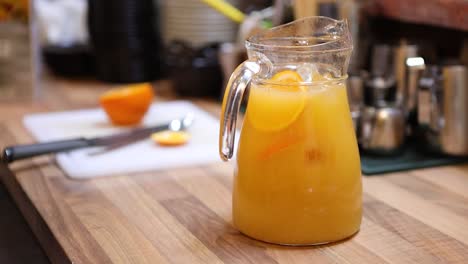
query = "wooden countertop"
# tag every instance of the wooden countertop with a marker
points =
(184, 215)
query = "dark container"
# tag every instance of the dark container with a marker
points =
(73, 61)
(195, 72)
(126, 41)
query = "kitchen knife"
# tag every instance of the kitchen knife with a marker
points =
(111, 142)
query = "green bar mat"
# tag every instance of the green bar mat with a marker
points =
(409, 159)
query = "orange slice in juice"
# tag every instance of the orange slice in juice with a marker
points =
(170, 138)
(287, 77)
(275, 106)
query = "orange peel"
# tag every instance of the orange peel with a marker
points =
(127, 105)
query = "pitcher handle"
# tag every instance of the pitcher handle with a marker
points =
(238, 82)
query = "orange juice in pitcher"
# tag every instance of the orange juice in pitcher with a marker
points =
(297, 175)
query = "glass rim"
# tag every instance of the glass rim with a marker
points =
(254, 42)
(294, 49)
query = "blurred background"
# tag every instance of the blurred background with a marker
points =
(407, 75)
(201, 41)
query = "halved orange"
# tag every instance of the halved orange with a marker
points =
(127, 105)
(170, 138)
(275, 106)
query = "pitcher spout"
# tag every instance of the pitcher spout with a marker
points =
(311, 34)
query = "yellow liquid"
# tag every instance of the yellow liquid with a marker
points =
(298, 182)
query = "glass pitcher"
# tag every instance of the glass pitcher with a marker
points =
(297, 175)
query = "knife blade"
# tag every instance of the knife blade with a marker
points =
(111, 142)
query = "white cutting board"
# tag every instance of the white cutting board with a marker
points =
(141, 156)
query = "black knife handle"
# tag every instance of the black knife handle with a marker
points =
(13, 153)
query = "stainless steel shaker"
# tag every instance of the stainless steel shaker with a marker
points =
(429, 101)
(401, 54)
(414, 68)
(382, 130)
(454, 132)
(381, 81)
(443, 110)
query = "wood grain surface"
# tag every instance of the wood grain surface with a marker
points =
(184, 215)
